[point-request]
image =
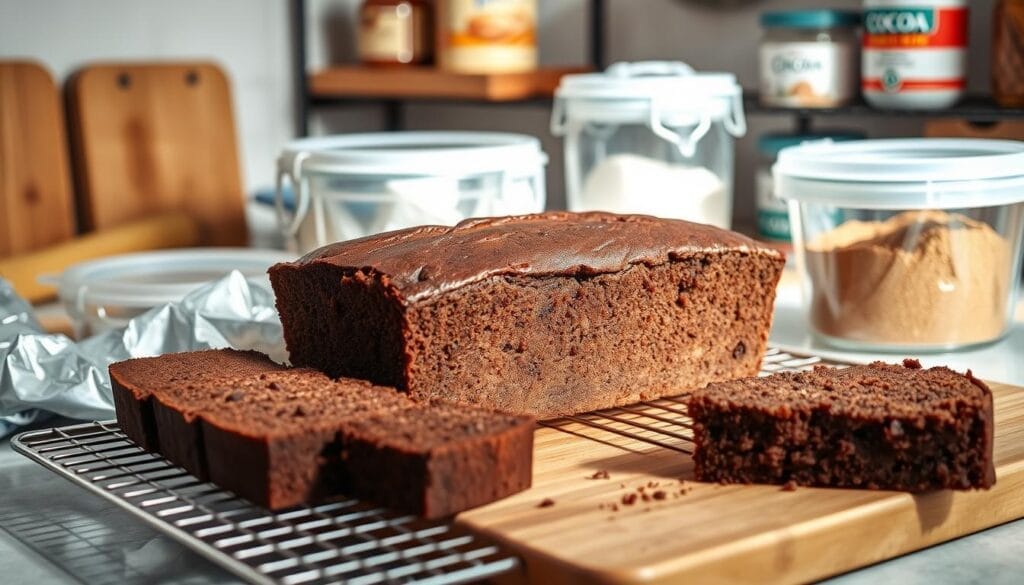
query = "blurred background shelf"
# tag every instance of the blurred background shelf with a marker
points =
(391, 87)
(976, 109)
(430, 83)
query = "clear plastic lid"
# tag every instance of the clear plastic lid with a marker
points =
(678, 103)
(927, 173)
(457, 154)
(149, 279)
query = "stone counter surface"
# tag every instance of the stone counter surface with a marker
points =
(52, 532)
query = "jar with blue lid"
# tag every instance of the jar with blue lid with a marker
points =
(773, 212)
(810, 58)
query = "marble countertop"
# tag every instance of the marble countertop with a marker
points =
(54, 533)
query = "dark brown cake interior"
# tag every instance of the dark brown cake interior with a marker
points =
(421, 456)
(879, 426)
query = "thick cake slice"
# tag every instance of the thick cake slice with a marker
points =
(267, 439)
(418, 459)
(176, 411)
(134, 381)
(879, 426)
(547, 314)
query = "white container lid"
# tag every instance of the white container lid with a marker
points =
(450, 154)
(671, 90)
(149, 279)
(920, 173)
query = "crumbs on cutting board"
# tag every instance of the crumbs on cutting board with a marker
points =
(646, 494)
(546, 503)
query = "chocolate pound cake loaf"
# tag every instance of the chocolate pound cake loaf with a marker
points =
(546, 314)
(879, 427)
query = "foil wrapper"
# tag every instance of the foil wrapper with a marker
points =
(43, 373)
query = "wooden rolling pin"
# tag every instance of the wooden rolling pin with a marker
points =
(168, 230)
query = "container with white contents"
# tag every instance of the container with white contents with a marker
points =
(652, 137)
(356, 185)
(907, 245)
(809, 58)
(914, 53)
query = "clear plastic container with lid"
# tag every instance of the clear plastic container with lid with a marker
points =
(907, 244)
(772, 212)
(104, 294)
(357, 185)
(650, 137)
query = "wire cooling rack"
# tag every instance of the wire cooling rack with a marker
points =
(664, 422)
(341, 541)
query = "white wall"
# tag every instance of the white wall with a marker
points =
(250, 39)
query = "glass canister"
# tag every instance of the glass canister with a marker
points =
(356, 185)
(809, 58)
(907, 245)
(650, 137)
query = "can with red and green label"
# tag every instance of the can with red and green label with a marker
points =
(914, 53)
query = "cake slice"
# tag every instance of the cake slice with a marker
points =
(878, 426)
(177, 410)
(420, 459)
(134, 381)
(547, 315)
(267, 439)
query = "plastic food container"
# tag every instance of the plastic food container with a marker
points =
(361, 184)
(104, 294)
(906, 245)
(773, 212)
(652, 137)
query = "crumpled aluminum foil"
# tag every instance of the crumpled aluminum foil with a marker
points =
(50, 373)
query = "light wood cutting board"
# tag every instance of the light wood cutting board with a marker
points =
(150, 138)
(720, 534)
(36, 208)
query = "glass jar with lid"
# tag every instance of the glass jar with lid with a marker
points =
(809, 58)
(653, 137)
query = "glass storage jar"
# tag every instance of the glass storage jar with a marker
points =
(357, 185)
(907, 245)
(809, 58)
(652, 137)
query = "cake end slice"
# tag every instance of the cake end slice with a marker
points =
(878, 426)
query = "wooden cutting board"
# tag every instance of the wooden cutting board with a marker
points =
(36, 208)
(713, 533)
(149, 138)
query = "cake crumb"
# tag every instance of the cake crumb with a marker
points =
(659, 495)
(546, 503)
(601, 474)
(789, 486)
(629, 499)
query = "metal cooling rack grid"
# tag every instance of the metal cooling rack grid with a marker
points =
(341, 541)
(664, 422)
